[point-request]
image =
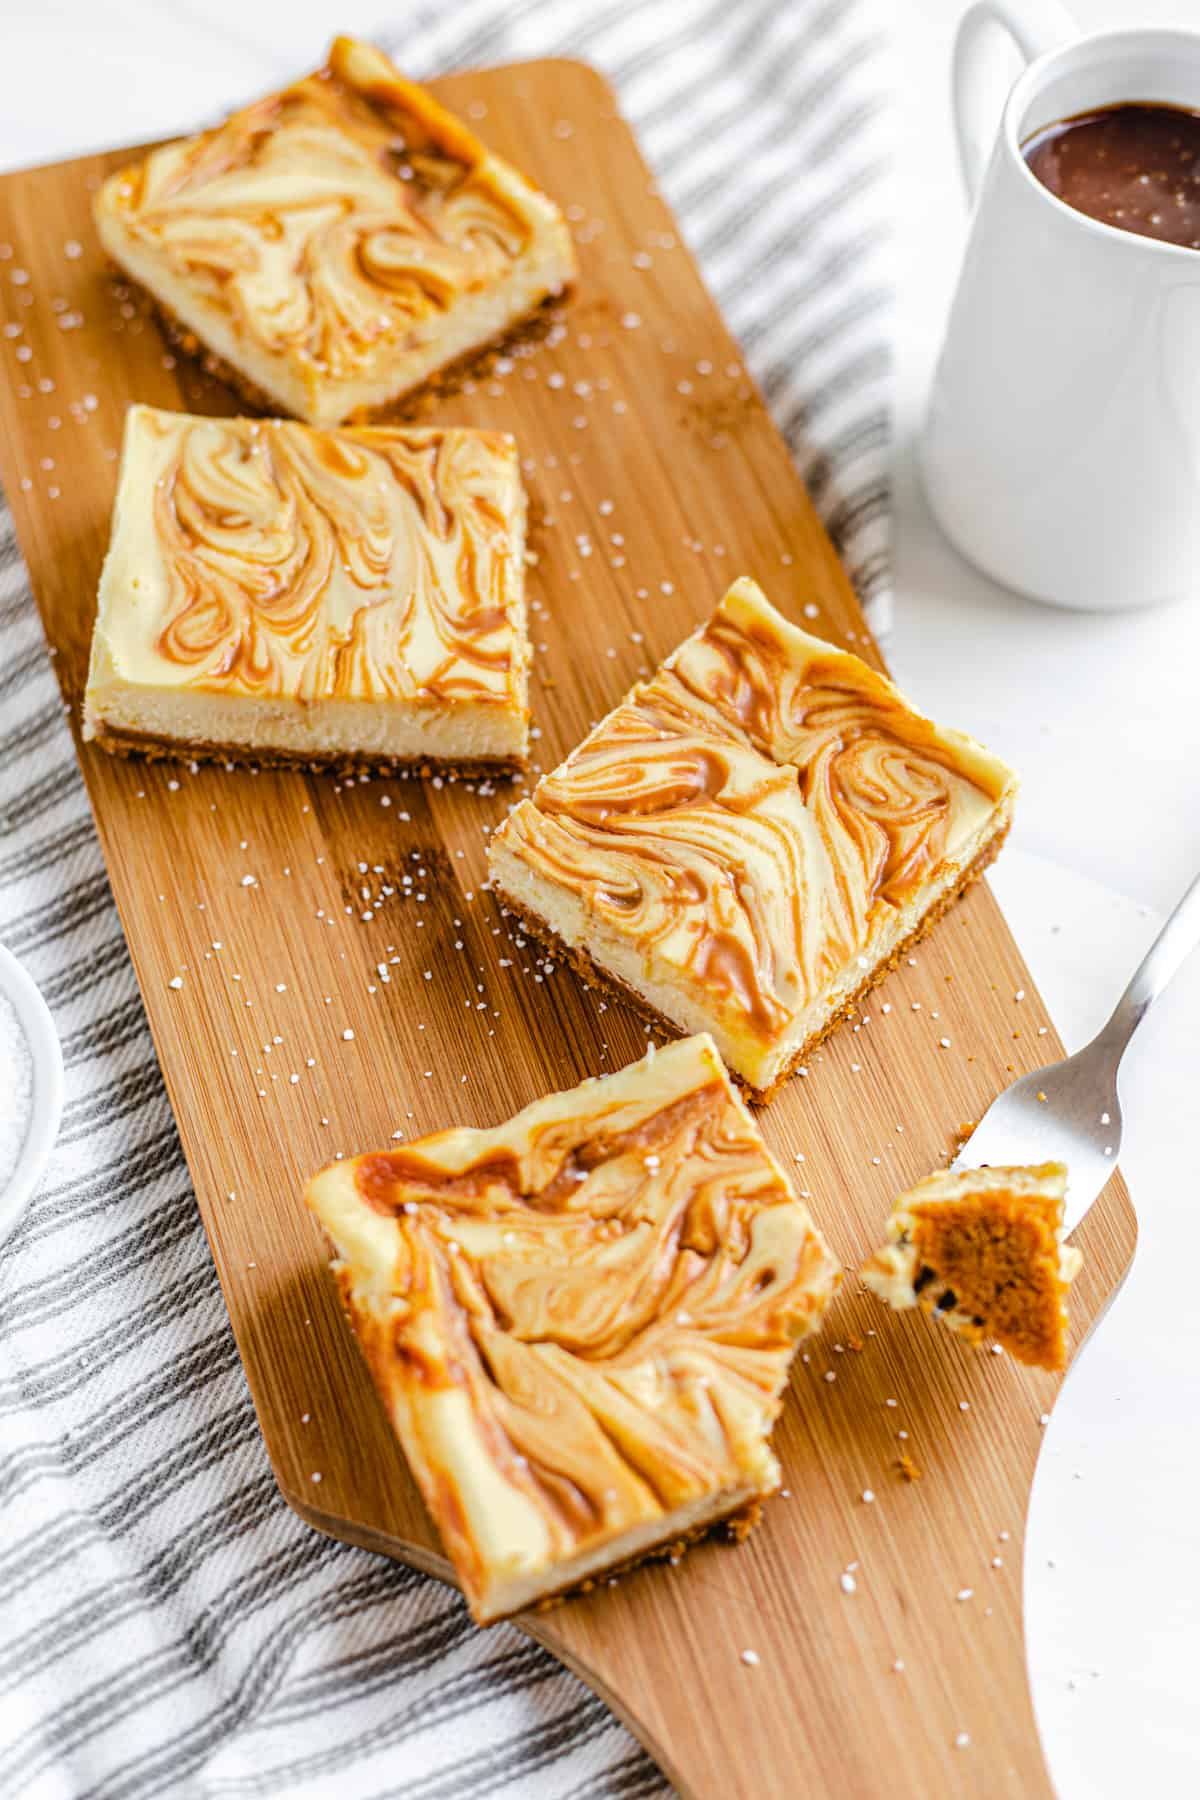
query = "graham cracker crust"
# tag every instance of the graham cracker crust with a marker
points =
(135, 743)
(735, 1526)
(591, 971)
(403, 406)
(185, 340)
(473, 365)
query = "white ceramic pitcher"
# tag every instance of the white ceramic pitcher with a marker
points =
(1061, 449)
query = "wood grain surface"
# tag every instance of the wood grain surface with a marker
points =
(299, 910)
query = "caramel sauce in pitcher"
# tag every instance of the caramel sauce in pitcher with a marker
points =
(1135, 166)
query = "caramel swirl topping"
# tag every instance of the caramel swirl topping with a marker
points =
(282, 562)
(330, 220)
(753, 817)
(604, 1294)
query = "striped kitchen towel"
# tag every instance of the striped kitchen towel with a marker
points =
(167, 1626)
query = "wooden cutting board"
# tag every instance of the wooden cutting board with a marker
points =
(297, 910)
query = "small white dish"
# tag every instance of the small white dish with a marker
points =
(45, 1111)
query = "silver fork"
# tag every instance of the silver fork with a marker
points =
(1070, 1111)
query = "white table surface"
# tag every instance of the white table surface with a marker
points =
(1098, 712)
(1100, 715)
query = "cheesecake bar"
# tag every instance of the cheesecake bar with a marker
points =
(752, 837)
(983, 1249)
(580, 1322)
(336, 244)
(348, 598)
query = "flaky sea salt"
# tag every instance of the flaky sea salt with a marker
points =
(16, 1074)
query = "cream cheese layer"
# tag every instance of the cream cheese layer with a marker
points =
(581, 1320)
(265, 559)
(332, 225)
(756, 816)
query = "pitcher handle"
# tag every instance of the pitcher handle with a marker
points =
(1035, 26)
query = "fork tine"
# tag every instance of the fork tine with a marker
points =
(1065, 1112)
